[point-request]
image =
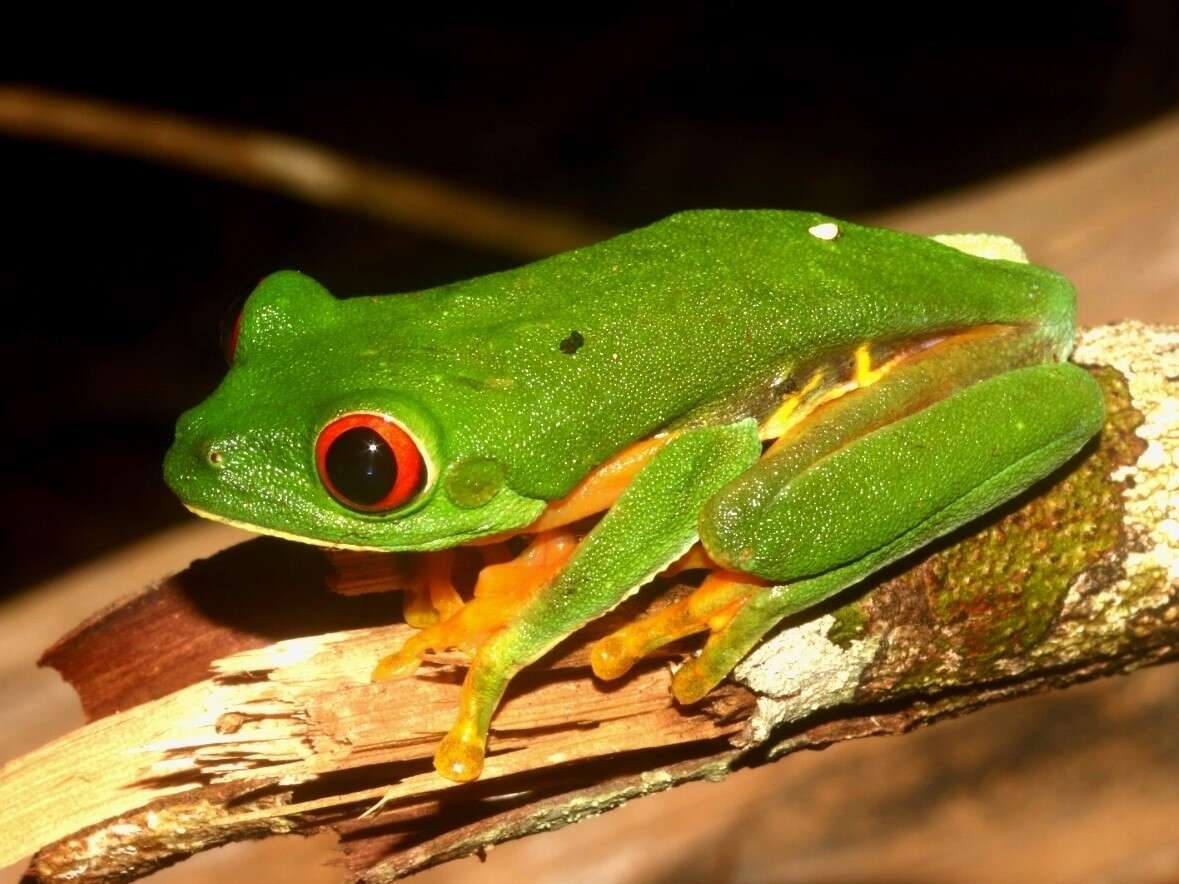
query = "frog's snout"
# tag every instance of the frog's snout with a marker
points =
(193, 436)
(192, 461)
(197, 455)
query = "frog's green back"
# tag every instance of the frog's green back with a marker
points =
(515, 385)
(552, 367)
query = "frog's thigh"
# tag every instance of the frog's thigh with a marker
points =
(884, 495)
(649, 527)
(907, 481)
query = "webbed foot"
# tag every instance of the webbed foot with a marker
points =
(430, 594)
(459, 756)
(500, 591)
(710, 608)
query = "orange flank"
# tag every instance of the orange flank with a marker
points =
(598, 491)
(795, 410)
(695, 559)
(710, 608)
(784, 417)
(801, 406)
(501, 590)
(865, 374)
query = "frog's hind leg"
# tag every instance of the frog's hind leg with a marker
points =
(731, 638)
(709, 608)
(880, 496)
(867, 478)
(735, 609)
(501, 589)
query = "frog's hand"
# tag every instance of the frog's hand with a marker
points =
(884, 494)
(651, 525)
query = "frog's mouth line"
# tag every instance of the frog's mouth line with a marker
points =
(273, 532)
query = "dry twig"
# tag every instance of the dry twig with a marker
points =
(296, 168)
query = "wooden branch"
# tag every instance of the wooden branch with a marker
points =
(296, 168)
(232, 700)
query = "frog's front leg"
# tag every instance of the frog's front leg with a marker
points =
(430, 595)
(650, 526)
(502, 589)
(868, 479)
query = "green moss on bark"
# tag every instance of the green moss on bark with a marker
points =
(850, 624)
(995, 594)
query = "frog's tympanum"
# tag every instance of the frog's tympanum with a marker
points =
(786, 401)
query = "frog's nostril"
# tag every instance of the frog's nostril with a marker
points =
(187, 463)
(211, 453)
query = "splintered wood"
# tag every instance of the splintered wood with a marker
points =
(290, 734)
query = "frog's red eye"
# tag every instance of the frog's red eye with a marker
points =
(231, 327)
(229, 340)
(368, 462)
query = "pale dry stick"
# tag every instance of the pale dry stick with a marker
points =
(294, 167)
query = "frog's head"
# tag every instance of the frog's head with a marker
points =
(310, 436)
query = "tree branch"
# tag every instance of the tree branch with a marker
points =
(217, 719)
(296, 168)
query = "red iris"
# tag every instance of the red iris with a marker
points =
(368, 462)
(230, 342)
(229, 329)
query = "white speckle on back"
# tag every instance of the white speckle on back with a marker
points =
(826, 230)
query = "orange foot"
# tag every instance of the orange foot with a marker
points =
(430, 595)
(501, 589)
(710, 608)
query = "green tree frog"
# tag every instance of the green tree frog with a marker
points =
(785, 400)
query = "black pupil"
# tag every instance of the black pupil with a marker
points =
(361, 466)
